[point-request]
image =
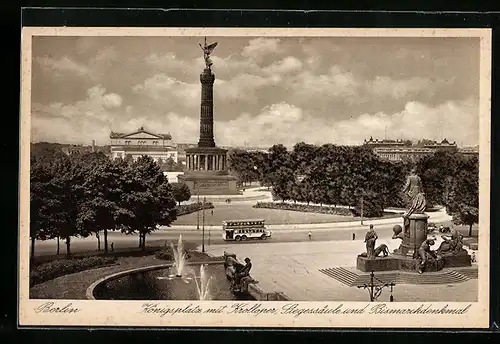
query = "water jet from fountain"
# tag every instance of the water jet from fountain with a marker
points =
(179, 257)
(203, 288)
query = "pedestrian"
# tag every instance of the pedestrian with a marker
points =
(112, 247)
(309, 235)
(353, 236)
(212, 211)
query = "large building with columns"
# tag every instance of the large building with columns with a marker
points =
(398, 150)
(143, 142)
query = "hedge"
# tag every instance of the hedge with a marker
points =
(48, 271)
(117, 253)
(166, 252)
(305, 208)
(185, 209)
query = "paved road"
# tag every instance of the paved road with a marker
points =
(214, 237)
(213, 234)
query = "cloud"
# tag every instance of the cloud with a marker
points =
(288, 65)
(63, 65)
(417, 121)
(288, 124)
(335, 83)
(164, 88)
(83, 120)
(106, 54)
(243, 87)
(388, 87)
(267, 89)
(259, 47)
(168, 61)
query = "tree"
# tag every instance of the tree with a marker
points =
(68, 178)
(148, 198)
(435, 170)
(101, 207)
(181, 192)
(462, 201)
(128, 158)
(243, 165)
(42, 202)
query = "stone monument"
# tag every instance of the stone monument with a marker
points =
(206, 165)
(414, 253)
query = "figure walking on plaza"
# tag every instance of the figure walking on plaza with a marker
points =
(309, 235)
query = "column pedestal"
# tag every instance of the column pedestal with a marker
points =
(413, 235)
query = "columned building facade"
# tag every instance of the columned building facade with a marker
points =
(203, 162)
(142, 142)
(398, 150)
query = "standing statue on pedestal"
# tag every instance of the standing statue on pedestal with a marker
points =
(414, 190)
(207, 50)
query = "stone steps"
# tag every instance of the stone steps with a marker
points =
(354, 279)
(342, 275)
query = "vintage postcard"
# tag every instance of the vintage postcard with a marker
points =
(255, 177)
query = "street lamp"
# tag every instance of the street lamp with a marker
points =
(203, 227)
(362, 204)
(376, 290)
(197, 187)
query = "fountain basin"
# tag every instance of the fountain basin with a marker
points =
(153, 283)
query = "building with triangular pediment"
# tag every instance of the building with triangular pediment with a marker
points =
(143, 142)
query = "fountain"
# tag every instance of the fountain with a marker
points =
(179, 257)
(179, 262)
(203, 288)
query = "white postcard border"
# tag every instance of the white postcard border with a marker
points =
(131, 313)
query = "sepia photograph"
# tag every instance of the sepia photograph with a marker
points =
(250, 177)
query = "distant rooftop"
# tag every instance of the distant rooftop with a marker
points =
(118, 135)
(401, 142)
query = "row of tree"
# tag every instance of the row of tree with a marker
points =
(357, 177)
(85, 194)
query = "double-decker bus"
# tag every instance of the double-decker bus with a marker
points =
(244, 230)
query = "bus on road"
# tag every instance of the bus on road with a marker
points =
(244, 230)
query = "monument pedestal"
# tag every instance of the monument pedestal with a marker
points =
(376, 264)
(413, 235)
(461, 259)
(209, 183)
(207, 172)
(206, 165)
(394, 263)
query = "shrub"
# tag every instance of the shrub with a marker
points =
(58, 268)
(305, 208)
(166, 253)
(373, 206)
(185, 209)
(117, 253)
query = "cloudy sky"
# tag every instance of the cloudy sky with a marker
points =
(268, 90)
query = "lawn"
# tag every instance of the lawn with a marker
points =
(237, 211)
(74, 286)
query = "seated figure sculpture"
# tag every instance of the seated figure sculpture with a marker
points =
(429, 259)
(240, 275)
(372, 252)
(452, 244)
